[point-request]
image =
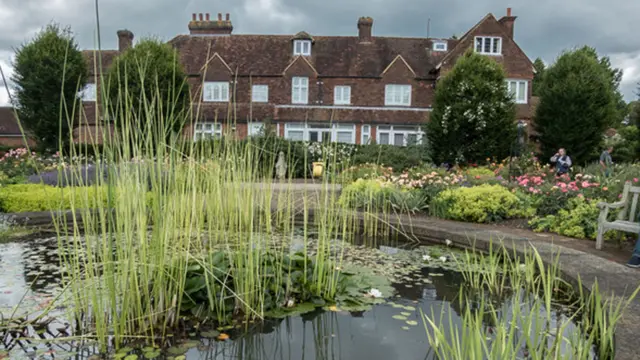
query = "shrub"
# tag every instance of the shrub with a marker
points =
(36, 197)
(479, 171)
(365, 171)
(484, 203)
(370, 195)
(579, 220)
(396, 157)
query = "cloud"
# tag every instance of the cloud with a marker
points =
(543, 29)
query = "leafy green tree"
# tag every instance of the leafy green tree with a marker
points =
(147, 85)
(539, 67)
(578, 102)
(473, 117)
(48, 73)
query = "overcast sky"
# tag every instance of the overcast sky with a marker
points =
(543, 28)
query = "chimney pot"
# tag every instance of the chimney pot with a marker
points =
(125, 40)
(364, 29)
(194, 17)
(227, 17)
(208, 17)
(200, 16)
(219, 16)
(508, 11)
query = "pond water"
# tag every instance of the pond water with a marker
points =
(30, 275)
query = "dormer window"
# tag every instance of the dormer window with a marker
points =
(302, 47)
(439, 46)
(488, 45)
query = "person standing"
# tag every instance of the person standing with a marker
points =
(562, 161)
(606, 162)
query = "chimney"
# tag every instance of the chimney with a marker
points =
(209, 26)
(125, 40)
(508, 22)
(364, 29)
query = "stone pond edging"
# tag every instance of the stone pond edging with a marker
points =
(613, 278)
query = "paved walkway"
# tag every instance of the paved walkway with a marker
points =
(578, 259)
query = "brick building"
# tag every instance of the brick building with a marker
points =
(354, 89)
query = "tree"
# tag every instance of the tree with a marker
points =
(577, 104)
(473, 117)
(539, 68)
(48, 73)
(147, 85)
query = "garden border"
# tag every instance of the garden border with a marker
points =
(613, 278)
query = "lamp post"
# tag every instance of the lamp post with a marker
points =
(516, 147)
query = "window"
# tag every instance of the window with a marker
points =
(488, 45)
(342, 95)
(260, 93)
(216, 91)
(399, 135)
(203, 131)
(345, 133)
(255, 129)
(397, 95)
(518, 88)
(365, 135)
(300, 90)
(88, 93)
(439, 46)
(302, 47)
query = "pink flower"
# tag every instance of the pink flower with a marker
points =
(635, 179)
(605, 188)
(581, 196)
(585, 184)
(532, 189)
(620, 196)
(564, 190)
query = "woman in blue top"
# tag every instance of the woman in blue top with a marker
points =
(562, 161)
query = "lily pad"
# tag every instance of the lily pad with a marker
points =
(151, 354)
(410, 308)
(210, 333)
(131, 357)
(412, 322)
(399, 317)
(406, 328)
(404, 313)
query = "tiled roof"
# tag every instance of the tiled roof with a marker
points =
(8, 123)
(334, 56)
(93, 63)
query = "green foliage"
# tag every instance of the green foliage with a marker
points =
(37, 197)
(149, 81)
(484, 203)
(370, 195)
(479, 171)
(473, 116)
(364, 171)
(48, 73)
(397, 157)
(578, 102)
(579, 220)
(626, 144)
(539, 67)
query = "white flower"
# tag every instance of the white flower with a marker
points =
(426, 257)
(374, 293)
(443, 258)
(448, 242)
(290, 303)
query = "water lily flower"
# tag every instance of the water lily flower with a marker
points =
(448, 242)
(443, 258)
(426, 257)
(374, 293)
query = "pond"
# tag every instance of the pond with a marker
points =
(30, 275)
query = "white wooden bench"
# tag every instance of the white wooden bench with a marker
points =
(627, 217)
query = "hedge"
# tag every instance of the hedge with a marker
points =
(37, 197)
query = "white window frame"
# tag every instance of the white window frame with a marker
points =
(392, 131)
(492, 40)
(365, 134)
(302, 47)
(397, 95)
(342, 95)
(299, 87)
(203, 130)
(516, 93)
(89, 92)
(209, 89)
(333, 129)
(440, 46)
(255, 128)
(259, 93)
